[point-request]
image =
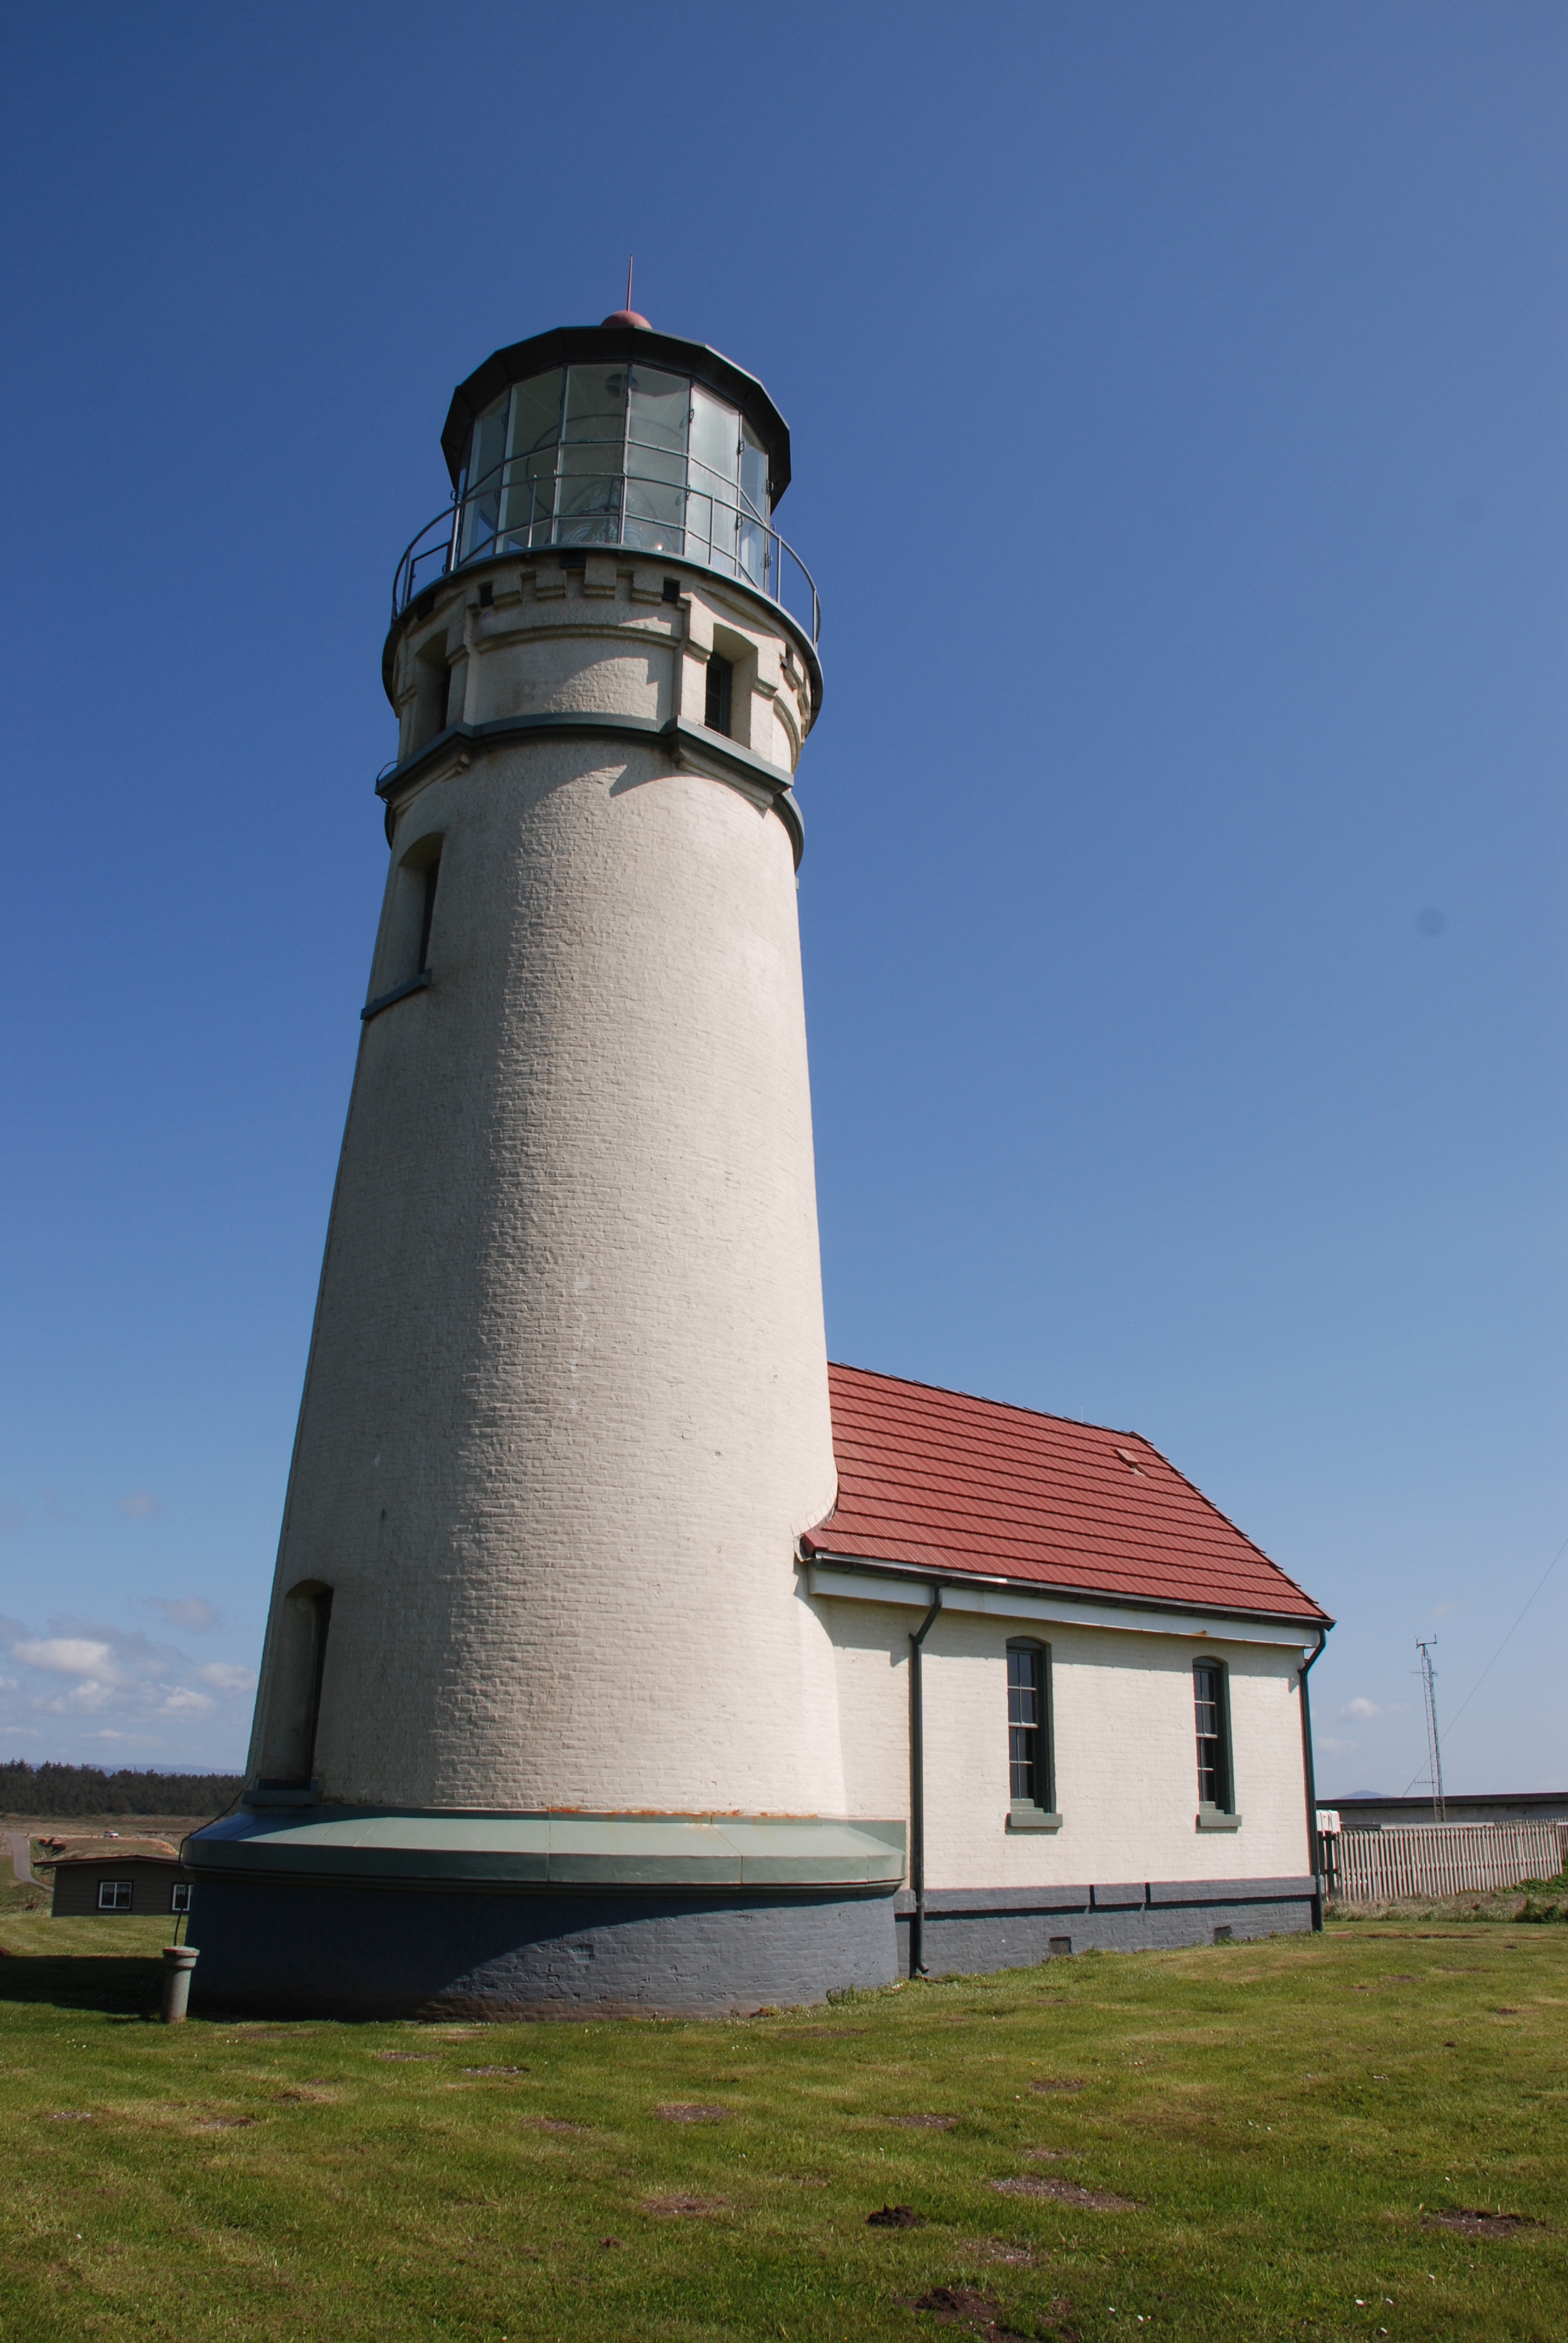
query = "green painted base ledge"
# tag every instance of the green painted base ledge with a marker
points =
(405, 1848)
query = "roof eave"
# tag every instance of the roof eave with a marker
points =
(1319, 1622)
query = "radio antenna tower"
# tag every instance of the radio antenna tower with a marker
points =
(1433, 1748)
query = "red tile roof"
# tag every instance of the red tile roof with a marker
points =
(941, 1481)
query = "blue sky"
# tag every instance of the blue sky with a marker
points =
(1177, 439)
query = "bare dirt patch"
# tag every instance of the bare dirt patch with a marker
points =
(1058, 2083)
(1067, 2192)
(1048, 2155)
(921, 2123)
(224, 2122)
(670, 2207)
(71, 2115)
(689, 2111)
(495, 2070)
(406, 2057)
(893, 2216)
(961, 2306)
(554, 2123)
(1471, 2223)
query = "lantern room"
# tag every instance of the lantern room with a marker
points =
(616, 436)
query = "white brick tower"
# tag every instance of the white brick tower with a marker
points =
(544, 1717)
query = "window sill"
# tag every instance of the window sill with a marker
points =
(1210, 1818)
(398, 993)
(1031, 1819)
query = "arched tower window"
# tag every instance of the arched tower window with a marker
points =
(294, 1706)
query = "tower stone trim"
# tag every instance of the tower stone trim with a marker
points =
(692, 749)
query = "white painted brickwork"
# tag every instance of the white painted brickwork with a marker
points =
(566, 1404)
(1126, 1761)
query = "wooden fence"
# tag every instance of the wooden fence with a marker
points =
(1374, 1866)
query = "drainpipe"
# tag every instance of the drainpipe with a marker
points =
(1309, 1774)
(918, 1787)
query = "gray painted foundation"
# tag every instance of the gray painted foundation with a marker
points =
(270, 1948)
(973, 1932)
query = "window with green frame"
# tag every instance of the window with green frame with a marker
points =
(1031, 1758)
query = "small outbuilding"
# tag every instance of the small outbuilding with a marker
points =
(143, 1877)
(1083, 1684)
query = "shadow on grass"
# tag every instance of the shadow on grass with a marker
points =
(124, 1984)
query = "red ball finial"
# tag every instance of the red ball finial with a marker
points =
(629, 317)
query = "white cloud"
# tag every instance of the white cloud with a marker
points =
(224, 1675)
(88, 1696)
(91, 1685)
(183, 1702)
(194, 1613)
(142, 1504)
(1362, 1709)
(67, 1655)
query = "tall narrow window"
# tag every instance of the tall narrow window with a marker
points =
(1213, 1753)
(430, 874)
(720, 692)
(1029, 1769)
(298, 1659)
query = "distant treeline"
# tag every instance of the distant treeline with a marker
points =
(66, 1790)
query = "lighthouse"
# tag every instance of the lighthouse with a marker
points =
(547, 1715)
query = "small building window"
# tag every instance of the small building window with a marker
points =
(180, 1895)
(1030, 1769)
(1213, 1735)
(114, 1895)
(720, 694)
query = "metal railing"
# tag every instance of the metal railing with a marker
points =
(627, 511)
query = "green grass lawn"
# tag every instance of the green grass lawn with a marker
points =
(1278, 2129)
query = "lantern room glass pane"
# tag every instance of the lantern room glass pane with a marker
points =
(593, 453)
(713, 477)
(753, 531)
(481, 514)
(657, 413)
(528, 503)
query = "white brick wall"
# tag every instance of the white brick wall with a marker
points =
(567, 1405)
(1126, 1768)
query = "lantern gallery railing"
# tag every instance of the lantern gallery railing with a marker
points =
(637, 512)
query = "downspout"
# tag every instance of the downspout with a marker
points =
(1309, 1776)
(918, 1787)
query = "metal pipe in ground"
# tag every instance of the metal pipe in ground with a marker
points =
(178, 1962)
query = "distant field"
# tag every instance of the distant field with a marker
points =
(1232, 2142)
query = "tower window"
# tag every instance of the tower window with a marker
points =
(1213, 1735)
(1028, 1736)
(720, 693)
(429, 877)
(297, 1638)
(433, 681)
